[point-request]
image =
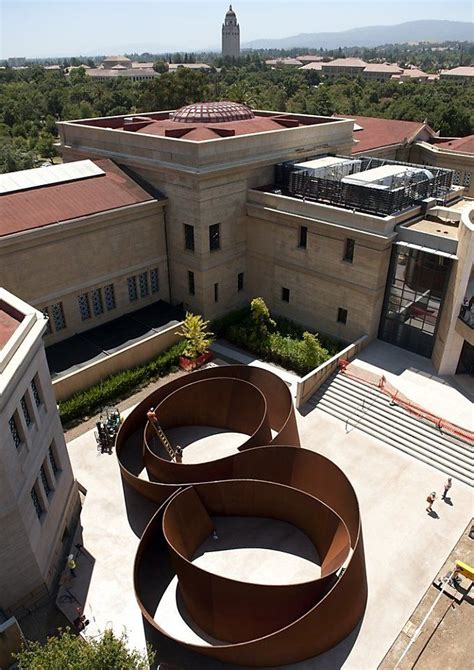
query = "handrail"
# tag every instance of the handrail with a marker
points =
(396, 397)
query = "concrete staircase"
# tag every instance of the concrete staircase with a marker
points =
(368, 409)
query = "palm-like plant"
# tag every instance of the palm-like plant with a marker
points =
(194, 331)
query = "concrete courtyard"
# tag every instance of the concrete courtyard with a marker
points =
(404, 546)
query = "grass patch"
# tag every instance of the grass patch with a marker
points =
(116, 387)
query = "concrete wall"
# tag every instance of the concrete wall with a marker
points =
(129, 357)
(437, 156)
(309, 384)
(59, 262)
(449, 340)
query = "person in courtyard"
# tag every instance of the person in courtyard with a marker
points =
(71, 564)
(430, 500)
(447, 485)
(151, 416)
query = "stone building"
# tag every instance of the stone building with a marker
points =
(230, 35)
(83, 243)
(38, 494)
(272, 204)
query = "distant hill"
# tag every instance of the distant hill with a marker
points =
(373, 36)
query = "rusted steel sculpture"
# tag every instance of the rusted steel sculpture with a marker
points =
(251, 624)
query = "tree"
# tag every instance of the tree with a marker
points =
(76, 653)
(160, 66)
(45, 146)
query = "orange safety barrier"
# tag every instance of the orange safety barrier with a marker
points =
(398, 398)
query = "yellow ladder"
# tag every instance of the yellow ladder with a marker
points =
(164, 440)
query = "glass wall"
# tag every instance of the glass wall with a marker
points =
(414, 294)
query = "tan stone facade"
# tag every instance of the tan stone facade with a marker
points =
(91, 257)
(38, 494)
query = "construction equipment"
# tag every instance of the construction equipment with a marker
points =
(107, 428)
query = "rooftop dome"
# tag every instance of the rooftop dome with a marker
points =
(212, 112)
(230, 11)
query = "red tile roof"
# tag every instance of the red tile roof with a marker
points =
(42, 206)
(384, 132)
(462, 144)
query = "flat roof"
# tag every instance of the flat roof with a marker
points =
(36, 207)
(436, 228)
(10, 319)
(160, 124)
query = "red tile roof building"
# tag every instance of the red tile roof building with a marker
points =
(54, 203)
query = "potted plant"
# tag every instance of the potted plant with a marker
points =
(198, 340)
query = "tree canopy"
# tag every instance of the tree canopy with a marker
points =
(76, 653)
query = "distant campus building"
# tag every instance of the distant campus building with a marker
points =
(38, 494)
(230, 35)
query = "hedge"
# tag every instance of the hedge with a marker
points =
(289, 345)
(118, 386)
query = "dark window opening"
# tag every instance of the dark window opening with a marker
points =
(342, 315)
(349, 250)
(285, 294)
(216, 292)
(214, 237)
(188, 237)
(303, 237)
(240, 281)
(191, 287)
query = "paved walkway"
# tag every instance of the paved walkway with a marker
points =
(405, 547)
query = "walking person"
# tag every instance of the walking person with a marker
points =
(430, 500)
(71, 564)
(447, 486)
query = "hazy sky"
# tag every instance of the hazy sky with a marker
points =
(71, 27)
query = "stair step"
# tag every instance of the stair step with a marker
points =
(368, 409)
(418, 424)
(403, 422)
(446, 469)
(389, 436)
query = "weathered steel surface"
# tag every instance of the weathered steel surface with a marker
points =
(252, 624)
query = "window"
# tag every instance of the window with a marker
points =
(456, 178)
(84, 307)
(97, 304)
(58, 316)
(143, 283)
(109, 297)
(154, 280)
(132, 288)
(349, 250)
(342, 315)
(52, 460)
(216, 292)
(214, 237)
(466, 179)
(44, 479)
(188, 237)
(285, 294)
(26, 412)
(36, 503)
(36, 395)
(240, 281)
(191, 287)
(303, 237)
(49, 330)
(15, 433)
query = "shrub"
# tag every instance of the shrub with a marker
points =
(276, 340)
(197, 338)
(117, 386)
